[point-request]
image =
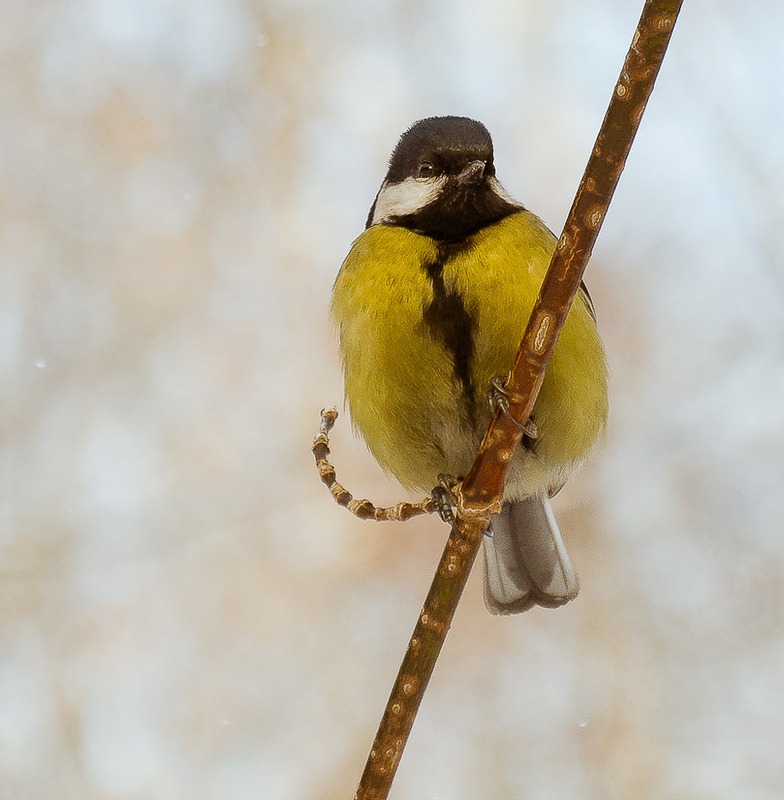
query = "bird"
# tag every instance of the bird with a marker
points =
(430, 306)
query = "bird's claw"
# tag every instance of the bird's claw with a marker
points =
(498, 397)
(445, 499)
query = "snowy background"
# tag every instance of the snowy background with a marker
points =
(184, 613)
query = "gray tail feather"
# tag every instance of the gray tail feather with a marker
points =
(526, 562)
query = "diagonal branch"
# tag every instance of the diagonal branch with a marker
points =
(479, 496)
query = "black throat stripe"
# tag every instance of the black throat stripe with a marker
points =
(448, 321)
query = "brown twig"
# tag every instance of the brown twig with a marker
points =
(479, 496)
(363, 509)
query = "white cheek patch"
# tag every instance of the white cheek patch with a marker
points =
(408, 197)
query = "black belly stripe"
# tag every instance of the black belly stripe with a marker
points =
(448, 321)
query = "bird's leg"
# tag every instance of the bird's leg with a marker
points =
(498, 397)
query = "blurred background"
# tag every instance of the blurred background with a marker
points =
(184, 612)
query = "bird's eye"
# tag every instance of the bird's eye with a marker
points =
(426, 170)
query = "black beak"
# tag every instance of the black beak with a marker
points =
(472, 173)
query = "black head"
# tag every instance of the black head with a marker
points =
(441, 180)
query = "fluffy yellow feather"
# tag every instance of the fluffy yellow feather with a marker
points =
(400, 383)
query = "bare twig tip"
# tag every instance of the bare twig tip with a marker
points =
(363, 509)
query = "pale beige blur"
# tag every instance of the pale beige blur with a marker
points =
(183, 610)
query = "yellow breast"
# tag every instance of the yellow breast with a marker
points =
(403, 388)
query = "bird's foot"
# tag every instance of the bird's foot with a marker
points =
(445, 498)
(498, 397)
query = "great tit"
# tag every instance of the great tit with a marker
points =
(430, 306)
